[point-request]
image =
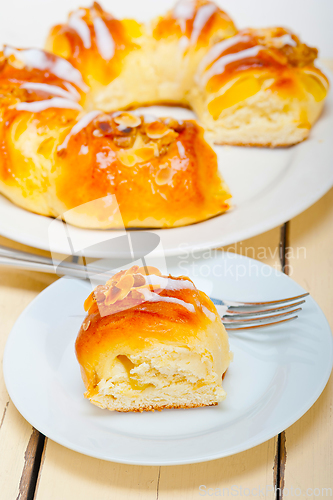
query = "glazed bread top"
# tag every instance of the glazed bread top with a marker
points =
(273, 59)
(135, 312)
(198, 23)
(92, 38)
(166, 164)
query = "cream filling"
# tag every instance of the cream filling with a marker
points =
(169, 376)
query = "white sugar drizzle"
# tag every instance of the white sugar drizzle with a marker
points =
(80, 125)
(183, 44)
(104, 40)
(39, 59)
(201, 19)
(183, 11)
(286, 40)
(149, 118)
(154, 297)
(218, 49)
(80, 26)
(171, 284)
(72, 90)
(209, 313)
(218, 67)
(55, 102)
(168, 283)
(181, 150)
(50, 89)
(84, 150)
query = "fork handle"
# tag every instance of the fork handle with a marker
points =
(43, 267)
(19, 255)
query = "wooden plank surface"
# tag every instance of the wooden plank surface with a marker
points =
(17, 439)
(309, 442)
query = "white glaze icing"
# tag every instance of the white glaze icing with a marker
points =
(72, 90)
(168, 283)
(76, 22)
(200, 21)
(104, 40)
(50, 89)
(81, 124)
(83, 150)
(218, 67)
(55, 102)
(149, 118)
(39, 59)
(181, 150)
(286, 40)
(210, 315)
(218, 49)
(183, 11)
(183, 44)
(154, 297)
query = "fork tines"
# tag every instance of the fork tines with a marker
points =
(248, 315)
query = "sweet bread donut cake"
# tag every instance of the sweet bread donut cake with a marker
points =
(151, 342)
(259, 88)
(67, 138)
(127, 64)
(54, 156)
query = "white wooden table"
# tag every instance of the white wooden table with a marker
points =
(301, 457)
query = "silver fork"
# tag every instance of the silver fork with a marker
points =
(248, 315)
(235, 315)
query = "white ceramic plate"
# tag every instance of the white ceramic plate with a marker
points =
(276, 375)
(269, 187)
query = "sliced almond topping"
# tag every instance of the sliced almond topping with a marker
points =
(89, 301)
(132, 270)
(164, 176)
(128, 120)
(111, 295)
(177, 126)
(146, 270)
(114, 294)
(167, 139)
(126, 282)
(104, 124)
(127, 158)
(115, 278)
(139, 280)
(157, 129)
(86, 325)
(145, 153)
(124, 142)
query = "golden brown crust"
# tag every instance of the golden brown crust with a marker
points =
(183, 21)
(166, 165)
(121, 322)
(258, 145)
(274, 54)
(163, 407)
